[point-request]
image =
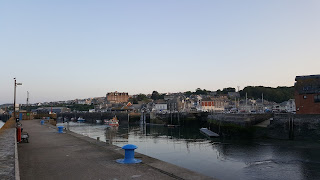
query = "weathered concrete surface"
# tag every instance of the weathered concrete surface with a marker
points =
(240, 119)
(50, 155)
(7, 151)
(302, 126)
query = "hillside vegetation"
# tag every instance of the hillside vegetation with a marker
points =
(278, 95)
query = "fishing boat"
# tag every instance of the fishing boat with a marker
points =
(80, 119)
(112, 122)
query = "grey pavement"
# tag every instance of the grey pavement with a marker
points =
(50, 155)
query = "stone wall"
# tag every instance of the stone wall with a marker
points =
(240, 119)
(298, 126)
(9, 167)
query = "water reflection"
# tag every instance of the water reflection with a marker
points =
(222, 159)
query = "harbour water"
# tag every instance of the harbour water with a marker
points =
(221, 159)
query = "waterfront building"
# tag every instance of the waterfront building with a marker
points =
(161, 107)
(233, 95)
(117, 97)
(307, 94)
(207, 106)
(84, 101)
(289, 106)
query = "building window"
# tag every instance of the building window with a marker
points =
(317, 98)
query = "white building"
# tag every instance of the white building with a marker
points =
(290, 106)
(160, 107)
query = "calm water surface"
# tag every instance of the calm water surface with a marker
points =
(221, 159)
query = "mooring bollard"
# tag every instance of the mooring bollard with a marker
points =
(129, 155)
(42, 122)
(60, 129)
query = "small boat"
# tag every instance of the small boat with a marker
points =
(208, 133)
(112, 122)
(98, 121)
(80, 119)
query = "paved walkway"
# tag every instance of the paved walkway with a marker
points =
(50, 155)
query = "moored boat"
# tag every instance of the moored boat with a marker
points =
(80, 119)
(98, 121)
(112, 122)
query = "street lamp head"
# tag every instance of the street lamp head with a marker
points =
(19, 83)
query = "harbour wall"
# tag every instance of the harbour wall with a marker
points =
(8, 151)
(295, 126)
(244, 120)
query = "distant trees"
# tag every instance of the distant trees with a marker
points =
(139, 97)
(155, 95)
(198, 91)
(278, 95)
(226, 90)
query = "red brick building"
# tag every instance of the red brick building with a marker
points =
(307, 94)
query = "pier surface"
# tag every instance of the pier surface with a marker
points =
(50, 155)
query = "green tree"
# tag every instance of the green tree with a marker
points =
(228, 89)
(155, 95)
(141, 97)
(188, 93)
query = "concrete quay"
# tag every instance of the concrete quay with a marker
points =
(9, 168)
(50, 155)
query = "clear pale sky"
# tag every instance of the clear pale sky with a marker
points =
(68, 49)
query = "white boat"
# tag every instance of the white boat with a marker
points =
(112, 122)
(80, 119)
(98, 121)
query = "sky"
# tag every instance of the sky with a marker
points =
(63, 50)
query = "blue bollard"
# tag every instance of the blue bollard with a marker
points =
(129, 155)
(60, 129)
(42, 122)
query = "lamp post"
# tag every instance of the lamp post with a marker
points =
(14, 101)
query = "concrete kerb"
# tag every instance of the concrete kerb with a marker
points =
(153, 163)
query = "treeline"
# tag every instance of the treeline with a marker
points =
(200, 91)
(278, 95)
